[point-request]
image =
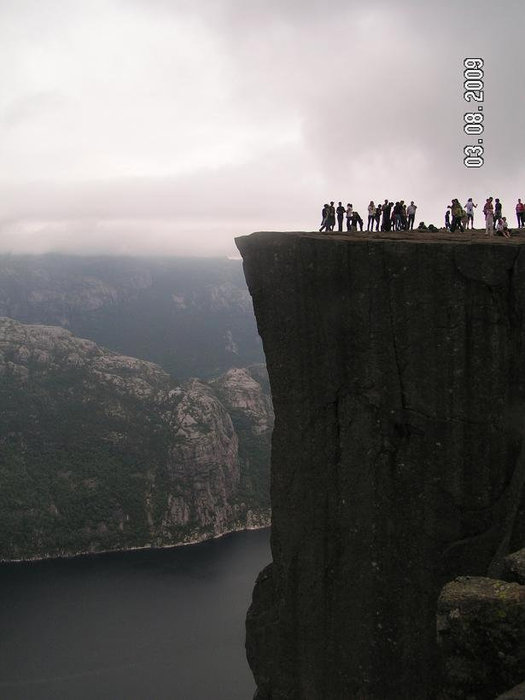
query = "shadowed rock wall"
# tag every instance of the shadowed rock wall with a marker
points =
(397, 370)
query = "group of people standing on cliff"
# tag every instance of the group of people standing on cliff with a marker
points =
(329, 214)
(401, 217)
(387, 217)
(462, 218)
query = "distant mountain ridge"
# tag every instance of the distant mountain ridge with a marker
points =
(134, 410)
(192, 316)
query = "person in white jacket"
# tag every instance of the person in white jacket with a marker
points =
(469, 208)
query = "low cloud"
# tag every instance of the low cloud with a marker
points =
(171, 126)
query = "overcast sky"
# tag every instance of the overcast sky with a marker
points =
(171, 126)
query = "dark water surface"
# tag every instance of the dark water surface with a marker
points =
(145, 625)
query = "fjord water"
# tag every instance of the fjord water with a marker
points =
(162, 624)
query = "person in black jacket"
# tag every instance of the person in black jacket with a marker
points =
(387, 213)
(497, 210)
(325, 214)
(340, 211)
(356, 219)
(396, 217)
(331, 217)
(379, 209)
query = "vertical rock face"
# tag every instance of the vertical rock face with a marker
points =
(397, 370)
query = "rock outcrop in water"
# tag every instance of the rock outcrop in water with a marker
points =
(100, 451)
(397, 369)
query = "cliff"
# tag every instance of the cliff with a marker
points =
(397, 370)
(102, 451)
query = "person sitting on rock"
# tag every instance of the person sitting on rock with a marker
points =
(502, 228)
(422, 226)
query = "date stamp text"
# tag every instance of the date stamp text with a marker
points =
(474, 93)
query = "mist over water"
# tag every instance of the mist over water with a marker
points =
(133, 625)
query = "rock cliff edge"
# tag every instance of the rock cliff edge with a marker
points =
(397, 369)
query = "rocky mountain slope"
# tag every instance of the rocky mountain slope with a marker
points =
(101, 451)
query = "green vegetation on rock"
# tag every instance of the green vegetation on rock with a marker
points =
(101, 450)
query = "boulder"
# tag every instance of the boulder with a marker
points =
(481, 634)
(514, 567)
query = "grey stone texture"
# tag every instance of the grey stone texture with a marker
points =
(514, 567)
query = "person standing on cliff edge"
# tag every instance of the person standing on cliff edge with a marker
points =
(488, 210)
(411, 211)
(396, 217)
(331, 217)
(340, 211)
(520, 210)
(371, 216)
(403, 215)
(469, 208)
(324, 217)
(385, 211)
(497, 210)
(379, 209)
(349, 213)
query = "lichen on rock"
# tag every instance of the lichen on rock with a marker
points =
(481, 633)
